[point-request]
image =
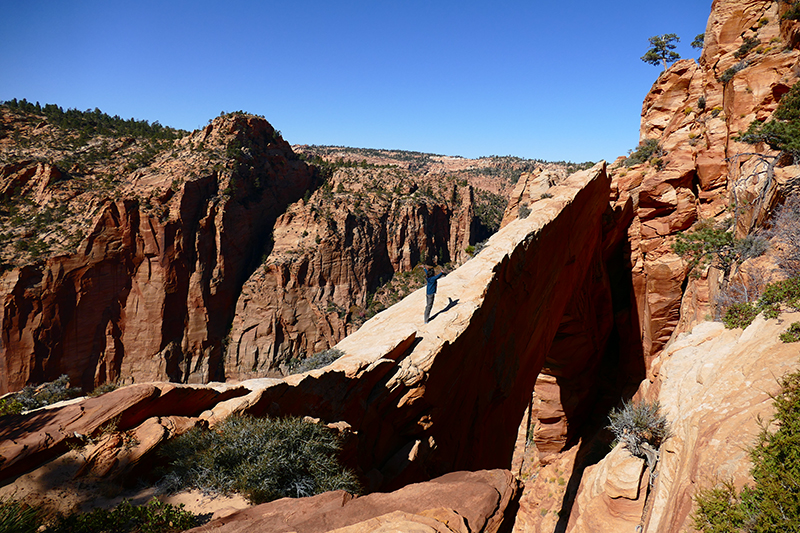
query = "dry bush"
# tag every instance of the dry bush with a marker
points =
(785, 235)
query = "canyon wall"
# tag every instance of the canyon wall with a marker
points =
(220, 256)
(696, 116)
(151, 289)
(331, 255)
(413, 400)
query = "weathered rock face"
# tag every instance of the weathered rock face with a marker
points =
(149, 293)
(425, 415)
(695, 117)
(531, 188)
(457, 502)
(714, 385)
(330, 255)
(419, 399)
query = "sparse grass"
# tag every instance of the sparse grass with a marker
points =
(262, 458)
(18, 517)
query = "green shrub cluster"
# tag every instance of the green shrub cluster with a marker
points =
(524, 211)
(792, 334)
(729, 73)
(715, 245)
(33, 397)
(318, 360)
(749, 44)
(648, 150)
(773, 502)
(262, 458)
(638, 423)
(786, 292)
(152, 517)
(782, 131)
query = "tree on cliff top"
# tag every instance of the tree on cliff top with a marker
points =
(661, 50)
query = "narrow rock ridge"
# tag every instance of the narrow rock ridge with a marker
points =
(419, 400)
(429, 399)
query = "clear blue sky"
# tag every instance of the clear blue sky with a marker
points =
(552, 80)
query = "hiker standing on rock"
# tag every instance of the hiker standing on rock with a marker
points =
(431, 277)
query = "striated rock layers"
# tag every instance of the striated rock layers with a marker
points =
(695, 115)
(458, 502)
(417, 400)
(714, 385)
(152, 288)
(331, 253)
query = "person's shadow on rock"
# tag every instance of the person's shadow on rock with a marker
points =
(450, 304)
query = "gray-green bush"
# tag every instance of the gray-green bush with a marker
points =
(261, 458)
(639, 425)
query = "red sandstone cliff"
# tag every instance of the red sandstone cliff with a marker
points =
(153, 285)
(695, 116)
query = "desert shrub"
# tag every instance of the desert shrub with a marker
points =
(749, 44)
(792, 334)
(546, 195)
(785, 234)
(318, 360)
(637, 424)
(32, 397)
(701, 103)
(648, 150)
(524, 211)
(104, 388)
(18, 517)
(739, 315)
(152, 517)
(772, 503)
(715, 245)
(731, 72)
(782, 131)
(262, 458)
(785, 292)
(470, 249)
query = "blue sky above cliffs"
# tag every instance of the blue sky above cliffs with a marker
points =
(550, 80)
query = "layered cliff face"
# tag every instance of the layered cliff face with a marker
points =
(714, 385)
(153, 284)
(334, 257)
(695, 111)
(401, 391)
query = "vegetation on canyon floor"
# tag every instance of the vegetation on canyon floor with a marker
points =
(152, 517)
(261, 458)
(772, 502)
(33, 397)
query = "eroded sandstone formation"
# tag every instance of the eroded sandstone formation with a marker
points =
(151, 289)
(714, 386)
(419, 400)
(332, 252)
(696, 115)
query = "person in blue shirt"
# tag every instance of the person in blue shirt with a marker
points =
(432, 278)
